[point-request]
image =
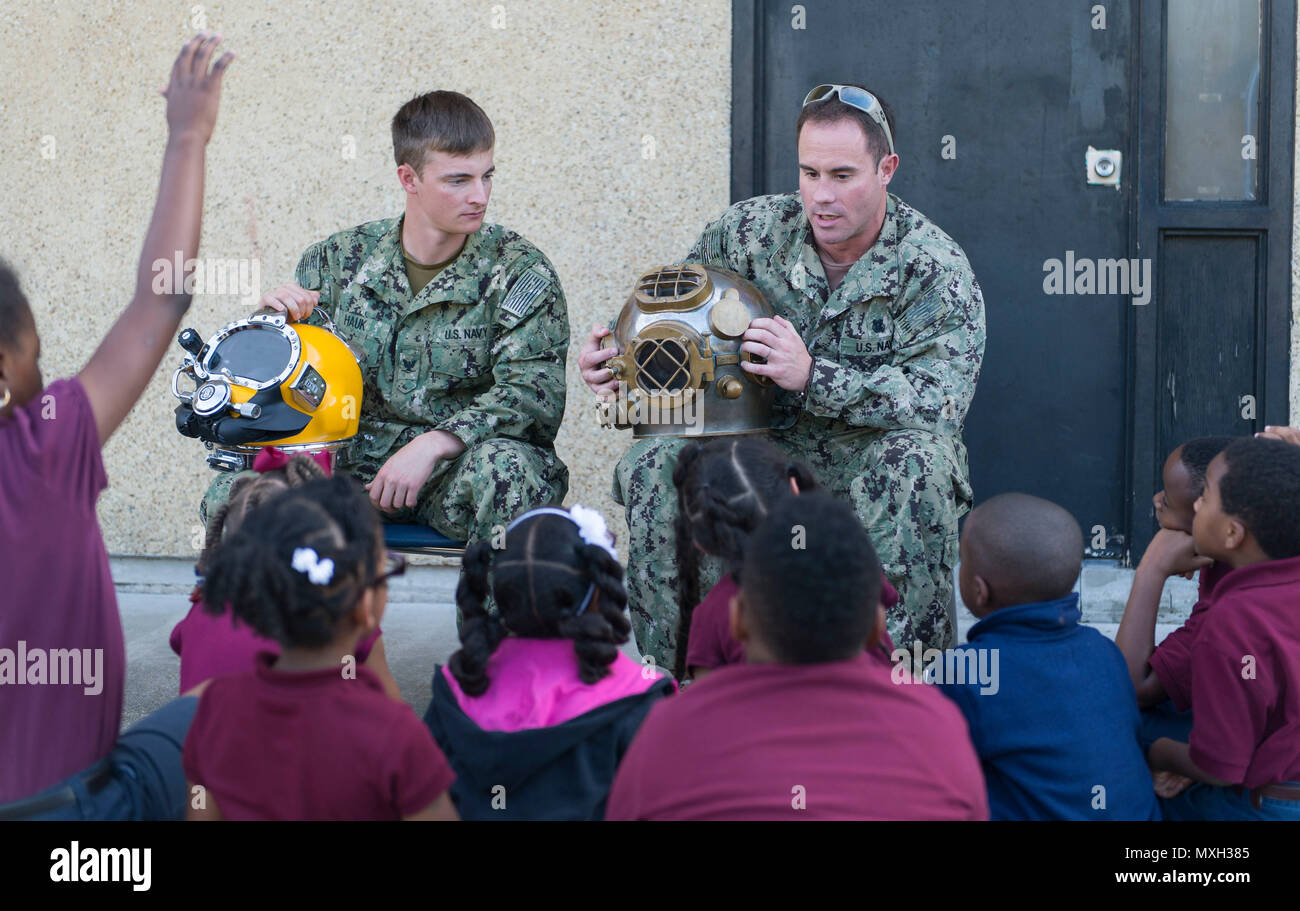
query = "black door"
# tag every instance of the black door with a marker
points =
(1108, 307)
(1213, 202)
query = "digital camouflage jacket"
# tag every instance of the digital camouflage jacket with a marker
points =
(480, 352)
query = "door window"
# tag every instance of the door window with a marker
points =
(1212, 99)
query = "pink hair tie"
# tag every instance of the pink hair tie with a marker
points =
(272, 457)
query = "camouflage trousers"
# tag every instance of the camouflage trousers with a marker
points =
(907, 487)
(465, 498)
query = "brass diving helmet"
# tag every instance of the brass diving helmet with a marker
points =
(679, 337)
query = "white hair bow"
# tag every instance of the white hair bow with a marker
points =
(307, 561)
(592, 528)
(591, 524)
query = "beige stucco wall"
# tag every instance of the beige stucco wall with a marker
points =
(573, 89)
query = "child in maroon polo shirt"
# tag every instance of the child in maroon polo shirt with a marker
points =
(64, 755)
(1244, 752)
(725, 488)
(816, 724)
(309, 734)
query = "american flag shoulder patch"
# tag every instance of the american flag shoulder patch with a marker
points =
(922, 315)
(526, 289)
(711, 247)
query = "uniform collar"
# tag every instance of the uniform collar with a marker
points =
(264, 669)
(1259, 575)
(1039, 617)
(797, 260)
(385, 267)
(875, 274)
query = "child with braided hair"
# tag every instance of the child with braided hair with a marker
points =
(537, 708)
(725, 489)
(211, 640)
(309, 734)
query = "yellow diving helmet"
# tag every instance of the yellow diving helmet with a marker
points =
(679, 336)
(263, 381)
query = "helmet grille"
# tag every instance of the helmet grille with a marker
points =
(663, 365)
(672, 288)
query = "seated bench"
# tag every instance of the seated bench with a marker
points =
(411, 538)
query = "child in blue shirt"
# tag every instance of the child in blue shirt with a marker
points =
(1056, 722)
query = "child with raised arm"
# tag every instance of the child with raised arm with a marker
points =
(63, 756)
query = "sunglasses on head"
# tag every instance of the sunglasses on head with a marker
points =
(854, 97)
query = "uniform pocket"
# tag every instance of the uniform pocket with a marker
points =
(460, 359)
(410, 367)
(430, 377)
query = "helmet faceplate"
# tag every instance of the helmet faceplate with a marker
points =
(262, 381)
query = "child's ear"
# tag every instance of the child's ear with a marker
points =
(366, 614)
(877, 634)
(983, 594)
(736, 619)
(1236, 534)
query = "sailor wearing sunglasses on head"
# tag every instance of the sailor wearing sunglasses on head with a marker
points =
(876, 347)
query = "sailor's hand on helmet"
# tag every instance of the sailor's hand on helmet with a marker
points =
(591, 361)
(297, 302)
(778, 342)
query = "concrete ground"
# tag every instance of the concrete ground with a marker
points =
(420, 623)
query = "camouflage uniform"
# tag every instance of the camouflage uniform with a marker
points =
(896, 353)
(480, 353)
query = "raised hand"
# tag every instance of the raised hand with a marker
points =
(194, 91)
